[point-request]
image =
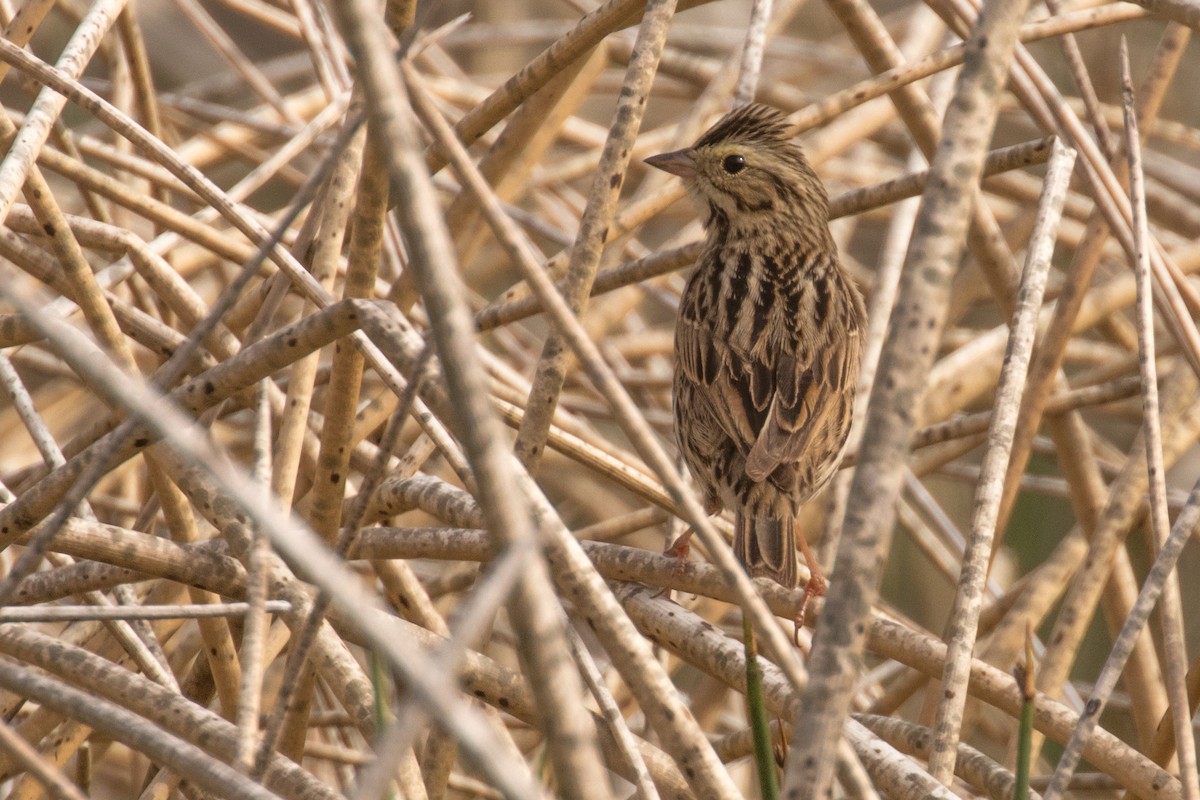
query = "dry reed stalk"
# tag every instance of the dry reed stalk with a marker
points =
(978, 550)
(939, 235)
(200, 238)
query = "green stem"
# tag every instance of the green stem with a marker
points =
(760, 725)
(379, 684)
(1024, 750)
(1026, 680)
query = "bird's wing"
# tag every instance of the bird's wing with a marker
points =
(739, 388)
(812, 400)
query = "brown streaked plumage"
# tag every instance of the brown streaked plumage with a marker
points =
(768, 340)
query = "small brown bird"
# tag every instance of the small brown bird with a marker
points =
(768, 339)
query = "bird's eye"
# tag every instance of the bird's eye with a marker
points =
(734, 164)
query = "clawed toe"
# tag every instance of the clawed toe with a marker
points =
(815, 587)
(681, 547)
(679, 550)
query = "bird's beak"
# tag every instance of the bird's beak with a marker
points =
(678, 162)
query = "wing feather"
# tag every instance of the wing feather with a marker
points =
(740, 388)
(782, 406)
(810, 404)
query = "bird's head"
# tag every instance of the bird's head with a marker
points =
(746, 170)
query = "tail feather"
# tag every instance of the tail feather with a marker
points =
(767, 548)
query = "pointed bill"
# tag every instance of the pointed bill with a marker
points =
(677, 162)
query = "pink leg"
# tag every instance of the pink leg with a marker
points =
(816, 583)
(679, 550)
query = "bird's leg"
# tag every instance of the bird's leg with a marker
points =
(683, 543)
(816, 582)
(679, 550)
(781, 748)
(681, 546)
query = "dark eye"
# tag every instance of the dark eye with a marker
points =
(734, 164)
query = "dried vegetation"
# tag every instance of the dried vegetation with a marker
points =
(264, 533)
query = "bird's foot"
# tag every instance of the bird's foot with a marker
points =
(679, 550)
(815, 587)
(681, 546)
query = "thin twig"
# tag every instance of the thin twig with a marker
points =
(905, 361)
(965, 615)
(570, 732)
(72, 613)
(1172, 617)
(594, 225)
(753, 47)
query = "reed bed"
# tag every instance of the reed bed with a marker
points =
(337, 454)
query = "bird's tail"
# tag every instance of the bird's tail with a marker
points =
(767, 547)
